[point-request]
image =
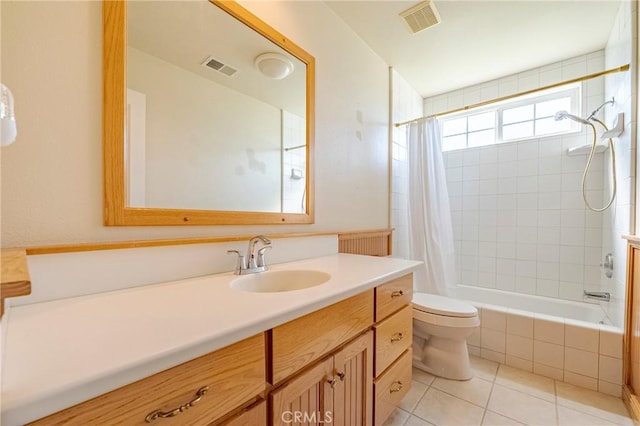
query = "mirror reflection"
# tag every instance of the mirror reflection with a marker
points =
(215, 113)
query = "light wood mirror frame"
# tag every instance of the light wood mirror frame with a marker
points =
(116, 213)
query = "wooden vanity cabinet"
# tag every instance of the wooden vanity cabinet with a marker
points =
(631, 350)
(347, 364)
(393, 334)
(233, 376)
(337, 390)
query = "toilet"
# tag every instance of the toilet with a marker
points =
(441, 326)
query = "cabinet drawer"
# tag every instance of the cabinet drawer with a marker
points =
(233, 374)
(393, 336)
(393, 295)
(256, 415)
(304, 340)
(392, 386)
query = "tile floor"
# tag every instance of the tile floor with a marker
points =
(503, 395)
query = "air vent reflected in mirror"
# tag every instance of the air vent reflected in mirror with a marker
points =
(219, 66)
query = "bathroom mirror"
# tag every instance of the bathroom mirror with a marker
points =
(208, 117)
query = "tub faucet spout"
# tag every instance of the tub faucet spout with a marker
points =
(597, 295)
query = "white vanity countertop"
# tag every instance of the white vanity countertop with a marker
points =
(59, 353)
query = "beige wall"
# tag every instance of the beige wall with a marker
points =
(52, 175)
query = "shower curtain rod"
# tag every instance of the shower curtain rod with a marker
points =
(515, 95)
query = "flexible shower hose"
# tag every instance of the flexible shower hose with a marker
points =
(586, 169)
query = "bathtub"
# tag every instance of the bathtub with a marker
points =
(560, 339)
(581, 311)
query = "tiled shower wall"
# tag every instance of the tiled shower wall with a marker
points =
(618, 220)
(519, 219)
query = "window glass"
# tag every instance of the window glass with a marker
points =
(483, 121)
(549, 108)
(524, 117)
(517, 131)
(517, 115)
(454, 142)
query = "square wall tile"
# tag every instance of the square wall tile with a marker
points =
(492, 356)
(581, 335)
(548, 354)
(548, 329)
(519, 363)
(610, 388)
(521, 347)
(494, 317)
(520, 323)
(610, 341)
(581, 362)
(610, 369)
(493, 340)
(581, 381)
(546, 371)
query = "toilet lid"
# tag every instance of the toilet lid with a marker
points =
(440, 305)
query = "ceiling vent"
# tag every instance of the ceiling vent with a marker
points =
(421, 16)
(219, 66)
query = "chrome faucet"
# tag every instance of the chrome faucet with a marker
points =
(255, 261)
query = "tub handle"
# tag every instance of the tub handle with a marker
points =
(397, 293)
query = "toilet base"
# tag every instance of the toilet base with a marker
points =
(444, 358)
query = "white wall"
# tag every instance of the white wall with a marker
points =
(52, 175)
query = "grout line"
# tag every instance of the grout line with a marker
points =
(555, 391)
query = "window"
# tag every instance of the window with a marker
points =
(524, 117)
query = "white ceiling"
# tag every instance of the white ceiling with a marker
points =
(479, 40)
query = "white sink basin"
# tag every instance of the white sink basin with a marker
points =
(279, 281)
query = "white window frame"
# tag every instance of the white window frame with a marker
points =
(573, 91)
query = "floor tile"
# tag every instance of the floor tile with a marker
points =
(529, 383)
(416, 421)
(522, 407)
(475, 390)
(442, 409)
(495, 419)
(397, 418)
(412, 397)
(570, 417)
(594, 403)
(483, 368)
(422, 376)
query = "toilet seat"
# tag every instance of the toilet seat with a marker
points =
(441, 305)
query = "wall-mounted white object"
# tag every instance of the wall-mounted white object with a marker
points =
(274, 65)
(8, 128)
(296, 173)
(616, 130)
(586, 149)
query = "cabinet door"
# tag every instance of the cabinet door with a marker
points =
(633, 331)
(353, 396)
(307, 399)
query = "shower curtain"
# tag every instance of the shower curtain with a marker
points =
(430, 230)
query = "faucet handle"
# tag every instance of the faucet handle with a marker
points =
(240, 262)
(260, 262)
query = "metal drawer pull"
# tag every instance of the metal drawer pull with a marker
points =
(160, 414)
(397, 293)
(397, 337)
(332, 382)
(341, 376)
(397, 388)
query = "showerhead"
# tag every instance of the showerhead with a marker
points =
(561, 115)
